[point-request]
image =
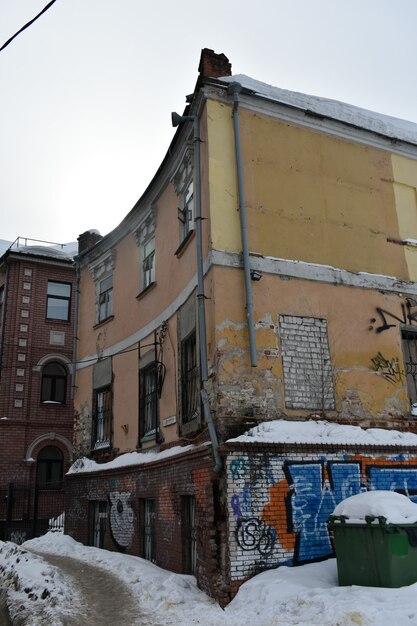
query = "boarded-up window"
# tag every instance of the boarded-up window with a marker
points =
(409, 341)
(308, 375)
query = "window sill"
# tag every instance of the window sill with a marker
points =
(148, 438)
(52, 403)
(184, 243)
(146, 290)
(191, 426)
(105, 321)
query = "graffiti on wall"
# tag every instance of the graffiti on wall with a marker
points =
(282, 517)
(253, 534)
(390, 369)
(404, 316)
(121, 518)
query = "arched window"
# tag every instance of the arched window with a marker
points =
(54, 383)
(49, 468)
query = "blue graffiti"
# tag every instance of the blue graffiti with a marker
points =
(235, 504)
(241, 503)
(399, 479)
(311, 500)
(238, 468)
(345, 479)
(251, 468)
(311, 505)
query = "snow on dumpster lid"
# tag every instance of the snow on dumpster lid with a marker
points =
(323, 432)
(395, 507)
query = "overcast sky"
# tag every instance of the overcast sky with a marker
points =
(87, 91)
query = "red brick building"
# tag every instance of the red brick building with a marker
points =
(37, 305)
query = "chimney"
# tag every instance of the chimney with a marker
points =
(87, 240)
(214, 65)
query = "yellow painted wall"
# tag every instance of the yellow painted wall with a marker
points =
(362, 392)
(309, 196)
(405, 186)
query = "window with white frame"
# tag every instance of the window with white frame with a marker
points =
(105, 298)
(148, 262)
(102, 272)
(145, 238)
(184, 188)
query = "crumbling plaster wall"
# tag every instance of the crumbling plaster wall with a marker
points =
(367, 380)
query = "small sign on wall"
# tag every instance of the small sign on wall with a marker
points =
(169, 420)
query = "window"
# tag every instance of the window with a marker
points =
(102, 418)
(58, 301)
(98, 523)
(184, 188)
(105, 300)
(148, 401)
(190, 396)
(49, 468)
(409, 344)
(1, 303)
(54, 383)
(102, 270)
(186, 209)
(147, 517)
(308, 372)
(189, 528)
(148, 263)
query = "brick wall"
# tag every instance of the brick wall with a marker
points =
(280, 498)
(167, 482)
(307, 368)
(28, 337)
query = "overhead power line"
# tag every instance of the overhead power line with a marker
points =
(48, 6)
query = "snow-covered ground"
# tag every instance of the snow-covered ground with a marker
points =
(37, 593)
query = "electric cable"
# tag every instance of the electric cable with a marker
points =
(48, 6)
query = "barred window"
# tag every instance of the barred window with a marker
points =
(102, 418)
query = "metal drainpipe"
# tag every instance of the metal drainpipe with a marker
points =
(235, 89)
(75, 337)
(201, 312)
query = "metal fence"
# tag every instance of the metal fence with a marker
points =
(28, 511)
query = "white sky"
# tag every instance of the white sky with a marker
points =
(87, 90)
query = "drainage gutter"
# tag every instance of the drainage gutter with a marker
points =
(235, 89)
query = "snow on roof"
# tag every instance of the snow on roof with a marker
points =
(323, 432)
(85, 465)
(68, 251)
(392, 127)
(395, 507)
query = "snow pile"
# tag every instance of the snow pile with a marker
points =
(125, 460)
(375, 122)
(157, 590)
(326, 433)
(33, 591)
(308, 595)
(395, 507)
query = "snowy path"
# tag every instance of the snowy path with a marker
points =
(105, 600)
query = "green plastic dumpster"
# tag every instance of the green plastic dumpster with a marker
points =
(374, 553)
